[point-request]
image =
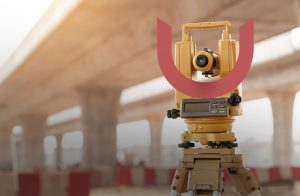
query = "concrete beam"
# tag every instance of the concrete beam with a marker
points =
(279, 74)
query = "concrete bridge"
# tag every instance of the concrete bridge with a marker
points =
(85, 53)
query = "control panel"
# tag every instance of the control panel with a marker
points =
(214, 107)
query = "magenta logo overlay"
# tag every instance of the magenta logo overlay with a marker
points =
(204, 89)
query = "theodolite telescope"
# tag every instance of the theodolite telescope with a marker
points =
(208, 145)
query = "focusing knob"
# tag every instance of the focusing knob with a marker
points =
(234, 99)
(174, 113)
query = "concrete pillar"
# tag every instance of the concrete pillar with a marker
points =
(32, 155)
(99, 117)
(282, 108)
(156, 123)
(58, 151)
(5, 148)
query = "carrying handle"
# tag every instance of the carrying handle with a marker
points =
(206, 25)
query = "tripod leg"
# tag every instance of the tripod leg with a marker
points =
(180, 179)
(244, 181)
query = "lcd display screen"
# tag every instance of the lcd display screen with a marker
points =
(197, 107)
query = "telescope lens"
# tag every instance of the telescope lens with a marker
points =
(202, 60)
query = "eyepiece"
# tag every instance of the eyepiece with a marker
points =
(201, 60)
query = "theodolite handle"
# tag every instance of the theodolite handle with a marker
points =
(206, 25)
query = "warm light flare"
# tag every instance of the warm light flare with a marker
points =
(17, 18)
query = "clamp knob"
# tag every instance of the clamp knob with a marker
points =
(235, 99)
(186, 145)
(174, 113)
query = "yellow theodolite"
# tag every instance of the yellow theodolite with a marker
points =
(208, 145)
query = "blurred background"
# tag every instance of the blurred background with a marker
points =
(83, 101)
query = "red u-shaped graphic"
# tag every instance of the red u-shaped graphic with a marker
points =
(205, 89)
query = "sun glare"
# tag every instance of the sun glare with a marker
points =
(17, 18)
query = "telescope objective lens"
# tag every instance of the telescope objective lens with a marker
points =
(201, 60)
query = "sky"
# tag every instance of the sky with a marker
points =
(17, 18)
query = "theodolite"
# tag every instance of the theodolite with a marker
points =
(208, 145)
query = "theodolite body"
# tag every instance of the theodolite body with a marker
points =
(188, 59)
(210, 115)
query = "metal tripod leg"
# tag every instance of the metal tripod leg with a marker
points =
(244, 181)
(180, 179)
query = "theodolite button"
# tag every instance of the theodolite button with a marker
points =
(174, 113)
(214, 102)
(213, 106)
(235, 99)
